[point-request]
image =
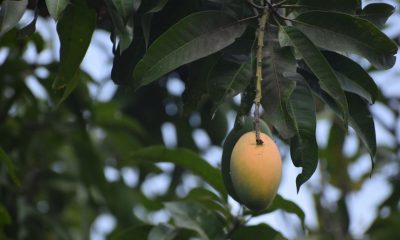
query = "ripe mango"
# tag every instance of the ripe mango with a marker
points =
(230, 141)
(255, 170)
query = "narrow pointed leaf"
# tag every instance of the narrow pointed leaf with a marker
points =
(56, 7)
(348, 6)
(8, 163)
(345, 33)
(75, 31)
(194, 216)
(195, 36)
(147, 18)
(318, 65)
(357, 79)
(377, 13)
(303, 146)
(186, 159)
(10, 14)
(277, 87)
(360, 118)
(228, 79)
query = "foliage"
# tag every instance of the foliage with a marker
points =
(55, 149)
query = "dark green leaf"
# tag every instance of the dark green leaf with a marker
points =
(10, 14)
(277, 86)
(5, 217)
(258, 232)
(9, 166)
(360, 118)
(196, 217)
(162, 232)
(377, 13)
(303, 146)
(196, 87)
(349, 6)
(126, 8)
(345, 33)
(195, 36)
(356, 79)
(227, 79)
(140, 232)
(56, 7)
(318, 65)
(283, 204)
(186, 159)
(123, 28)
(75, 31)
(148, 16)
(362, 122)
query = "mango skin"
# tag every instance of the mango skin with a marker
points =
(229, 143)
(255, 170)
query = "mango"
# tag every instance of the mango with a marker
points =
(255, 171)
(230, 141)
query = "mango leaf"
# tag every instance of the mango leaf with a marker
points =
(186, 159)
(277, 86)
(195, 36)
(303, 146)
(5, 217)
(9, 166)
(162, 232)
(283, 204)
(75, 31)
(377, 13)
(10, 14)
(196, 86)
(363, 123)
(356, 80)
(139, 231)
(345, 33)
(56, 7)
(196, 217)
(148, 16)
(126, 8)
(123, 27)
(227, 79)
(257, 232)
(29, 29)
(318, 65)
(360, 118)
(348, 6)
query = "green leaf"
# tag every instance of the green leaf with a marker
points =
(349, 6)
(75, 31)
(10, 14)
(227, 79)
(148, 16)
(360, 118)
(9, 166)
(318, 65)
(140, 232)
(56, 7)
(123, 28)
(277, 86)
(5, 217)
(162, 232)
(283, 204)
(186, 159)
(377, 13)
(258, 232)
(362, 122)
(126, 8)
(303, 146)
(196, 217)
(345, 33)
(196, 86)
(356, 79)
(195, 36)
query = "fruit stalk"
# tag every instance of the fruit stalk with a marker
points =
(260, 44)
